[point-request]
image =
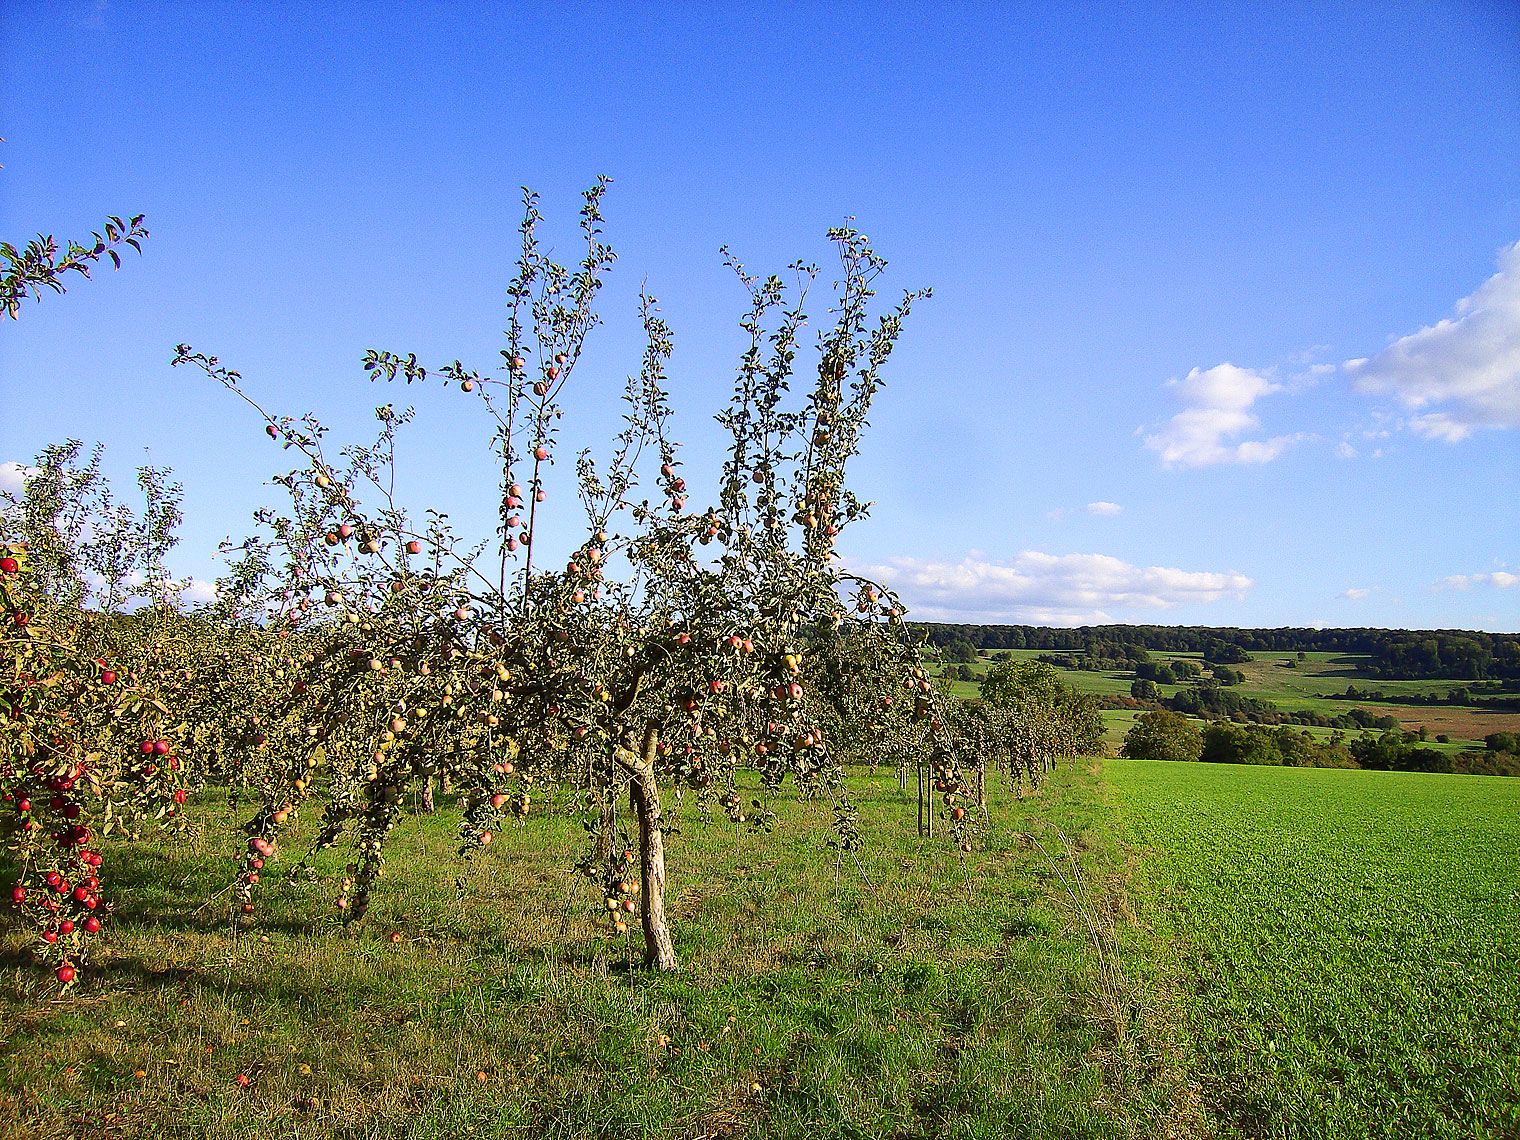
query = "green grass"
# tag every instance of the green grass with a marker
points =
(1147, 950)
(948, 996)
(1347, 943)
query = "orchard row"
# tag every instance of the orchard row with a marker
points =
(357, 651)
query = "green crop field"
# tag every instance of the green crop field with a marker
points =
(1347, 943)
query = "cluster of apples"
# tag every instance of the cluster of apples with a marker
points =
(621, 889)
(66, 906)
(66, 773)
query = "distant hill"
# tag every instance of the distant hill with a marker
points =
(1455, 654)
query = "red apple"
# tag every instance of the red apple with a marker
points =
(108, 677)
(414, 547)
(9, 565)
(65, 971)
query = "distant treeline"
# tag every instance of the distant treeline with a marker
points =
(1165, 735)
(1395, 654)
(1457, 696)
(1207, 700)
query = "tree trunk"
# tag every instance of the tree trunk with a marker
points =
(644, 795)
(427, 794)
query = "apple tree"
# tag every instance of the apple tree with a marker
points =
(412, 652)
(89, 745)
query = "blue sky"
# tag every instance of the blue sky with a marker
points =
(1185, 361)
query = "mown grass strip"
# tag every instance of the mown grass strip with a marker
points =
(954, 996)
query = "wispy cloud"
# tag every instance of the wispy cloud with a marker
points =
(1467, 370)
(1048, 589)
(1356, 593)
(1498, 579)
(1104, 508)
(1216, 410)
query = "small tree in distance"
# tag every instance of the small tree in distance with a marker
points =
(1163, 735)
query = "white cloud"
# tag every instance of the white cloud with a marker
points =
(1345, 450)
(1047, 589)
(13, 476)
(1466, 370)
(1103, 508)
(1216, 409)
(1499, 580)
(1355, 594)
(196, 593)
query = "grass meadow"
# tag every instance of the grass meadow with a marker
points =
(1136, 950)
(923, 993)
